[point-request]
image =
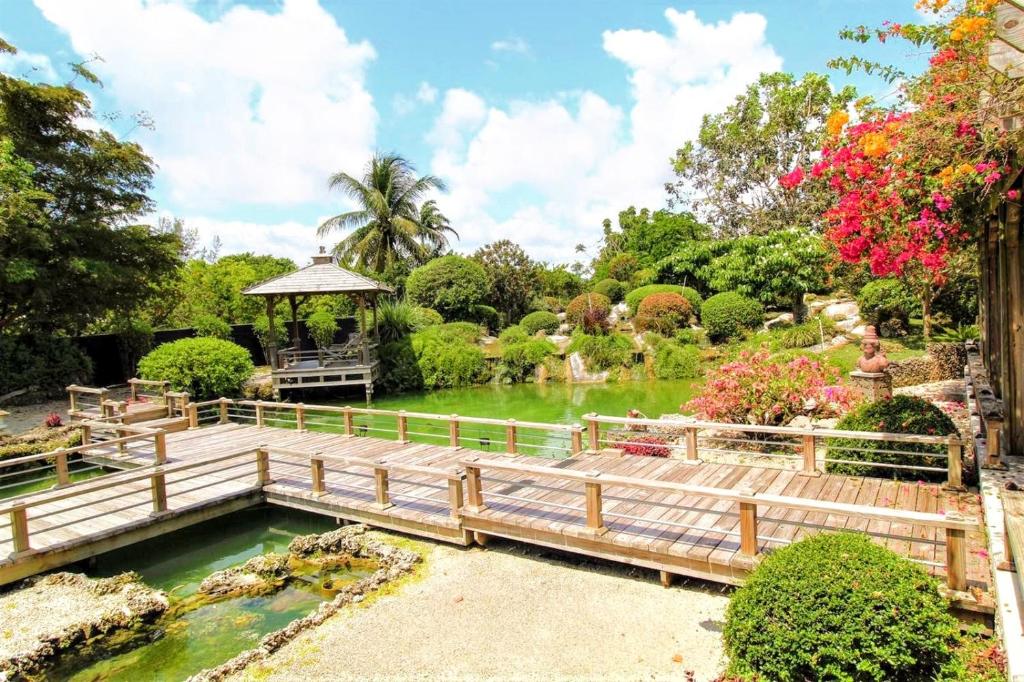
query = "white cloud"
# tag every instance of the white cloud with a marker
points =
(514, 44)
(289, 239)
(253, 106)
(579, 158)
(36, 67)
(405, 104)
(426, 93)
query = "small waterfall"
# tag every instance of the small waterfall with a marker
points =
(578, 371)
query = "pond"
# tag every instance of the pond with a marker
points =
(183, 643)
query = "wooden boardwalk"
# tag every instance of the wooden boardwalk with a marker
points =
(458, 495)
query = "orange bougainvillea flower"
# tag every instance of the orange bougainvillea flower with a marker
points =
(836, 121)
(875, 145)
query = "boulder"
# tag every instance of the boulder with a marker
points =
(782, 320)
(843, 310)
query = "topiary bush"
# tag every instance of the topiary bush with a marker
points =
(205, 367)
(612, 288)
(513, 334)
(727, 315)
(694, 297)
(538, 320)
(838, 607)
(426, 317)
(451, 365)
(211, 326)
(519, 360)
(589, 312)
(486, 316)
(672, 361)
(451, 285)
(663, 313)
(634, 297)
(898, 414)
(604, 352)
(882, 300)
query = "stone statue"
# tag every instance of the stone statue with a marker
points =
(873, 360)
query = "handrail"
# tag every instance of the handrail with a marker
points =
(452, 473)
(87, 389)
(149, 382)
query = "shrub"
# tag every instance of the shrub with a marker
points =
(643, 277)
(487, 316)
(622, 266)
(726, 315)
(838, 607)
(672, 361)
(450, 365)
(633, 443)
(513, 334)
(322, 326)
(465, 332)
(898, 414)
(603, 352)
(697, 337)
(807, 333)
(519, 360)
(612, 288)
(261, 328)
(882, 300)
(40, 365)
(451, 285)
(426, 317)
(756, 390)
(693, 296)
(958, 334)
(536, 321)
(634, 297)
(211, 326)
(206, 368)
(663, 313)
(52, 421)
(589, 311)
(400, 369)
(397, 319)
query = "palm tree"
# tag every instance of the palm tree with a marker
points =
(435, 226)
(389, 224)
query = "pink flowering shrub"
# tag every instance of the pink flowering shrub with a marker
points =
(647, 446)
(756, 390)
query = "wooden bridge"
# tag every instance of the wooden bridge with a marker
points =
(711, 512)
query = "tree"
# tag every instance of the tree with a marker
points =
(436, 224)
(452, 285)
(513, 278)
(389, 224)
(732, 170)
(559, 282)
(69, 249)
(776, 268)
(647, 236)
(216, 288)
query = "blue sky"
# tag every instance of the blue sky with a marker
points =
(544, 117)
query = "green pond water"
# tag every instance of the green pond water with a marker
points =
(32, 482)
(215, 632)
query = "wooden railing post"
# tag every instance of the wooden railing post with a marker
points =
(316, 470)
(380, 482)
(453, 431)
(403, 427)
(263, 466)
(576, 439)
(160, 446)
(691, 445)
(810, 455)
(511, 432)
(223, 410)
(193, 416)
(954, 480)
(474, 493)
(158, 487)
(259, 413)
(73, 399)
(595, 520)
(60, 463)
(103, 400)
(19, 528)
(134, 386)
(956, 556)
(748, 525)
(593, 433)
(993, 443)
(119, 434)
(86, 434)
(348, 420)
(300, 417)
(455, 494)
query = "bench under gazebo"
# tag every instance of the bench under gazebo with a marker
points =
(353, 362)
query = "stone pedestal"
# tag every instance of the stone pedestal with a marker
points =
(872, 385)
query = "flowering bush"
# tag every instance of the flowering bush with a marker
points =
(663, 313)
(53, 420)
(589, 311)
(755, 390)
(646, 446)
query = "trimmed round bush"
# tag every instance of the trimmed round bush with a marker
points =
(513, 334)
(519, 360)
(211, 326)
(589, 312)
(603, 352)
(898, 414)
(426, 317)
(634, 297)
(663, 313)
(451, 365)
(882, 300)
(451, 285)
(538, 320)
(612, 288)
(207, 368)
(693, 296)
(728, 314)
(487, 316)
(838, 607)
(672, 361)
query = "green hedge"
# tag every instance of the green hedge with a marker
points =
(838, 607)
(451, 365)
(205, 367)
(519, 360)
(451, 285)
(44, 365)
(603, 352)
(899, 414)
(728, 314)
(634, 297)
(673, 361)
(513, 334)
(612, 288)
(537, 320)
(400, 368)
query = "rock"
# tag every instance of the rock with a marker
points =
(826, 423)
(564, 328)
(801, 421)
(560, 316)
(841, 310)
(850, 323)
(258, 575)
(781, 321)
(859, 330)
(815, 307)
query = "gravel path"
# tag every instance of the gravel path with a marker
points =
(511, 612)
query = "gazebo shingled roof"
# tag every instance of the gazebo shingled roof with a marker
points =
(323, 276)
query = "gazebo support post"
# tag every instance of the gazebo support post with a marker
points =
(296, 343)
(271, 334)
(365, 351)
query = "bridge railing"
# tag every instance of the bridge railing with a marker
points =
(810, 450)
(602, 492)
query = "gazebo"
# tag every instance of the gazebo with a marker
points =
(351, 363)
